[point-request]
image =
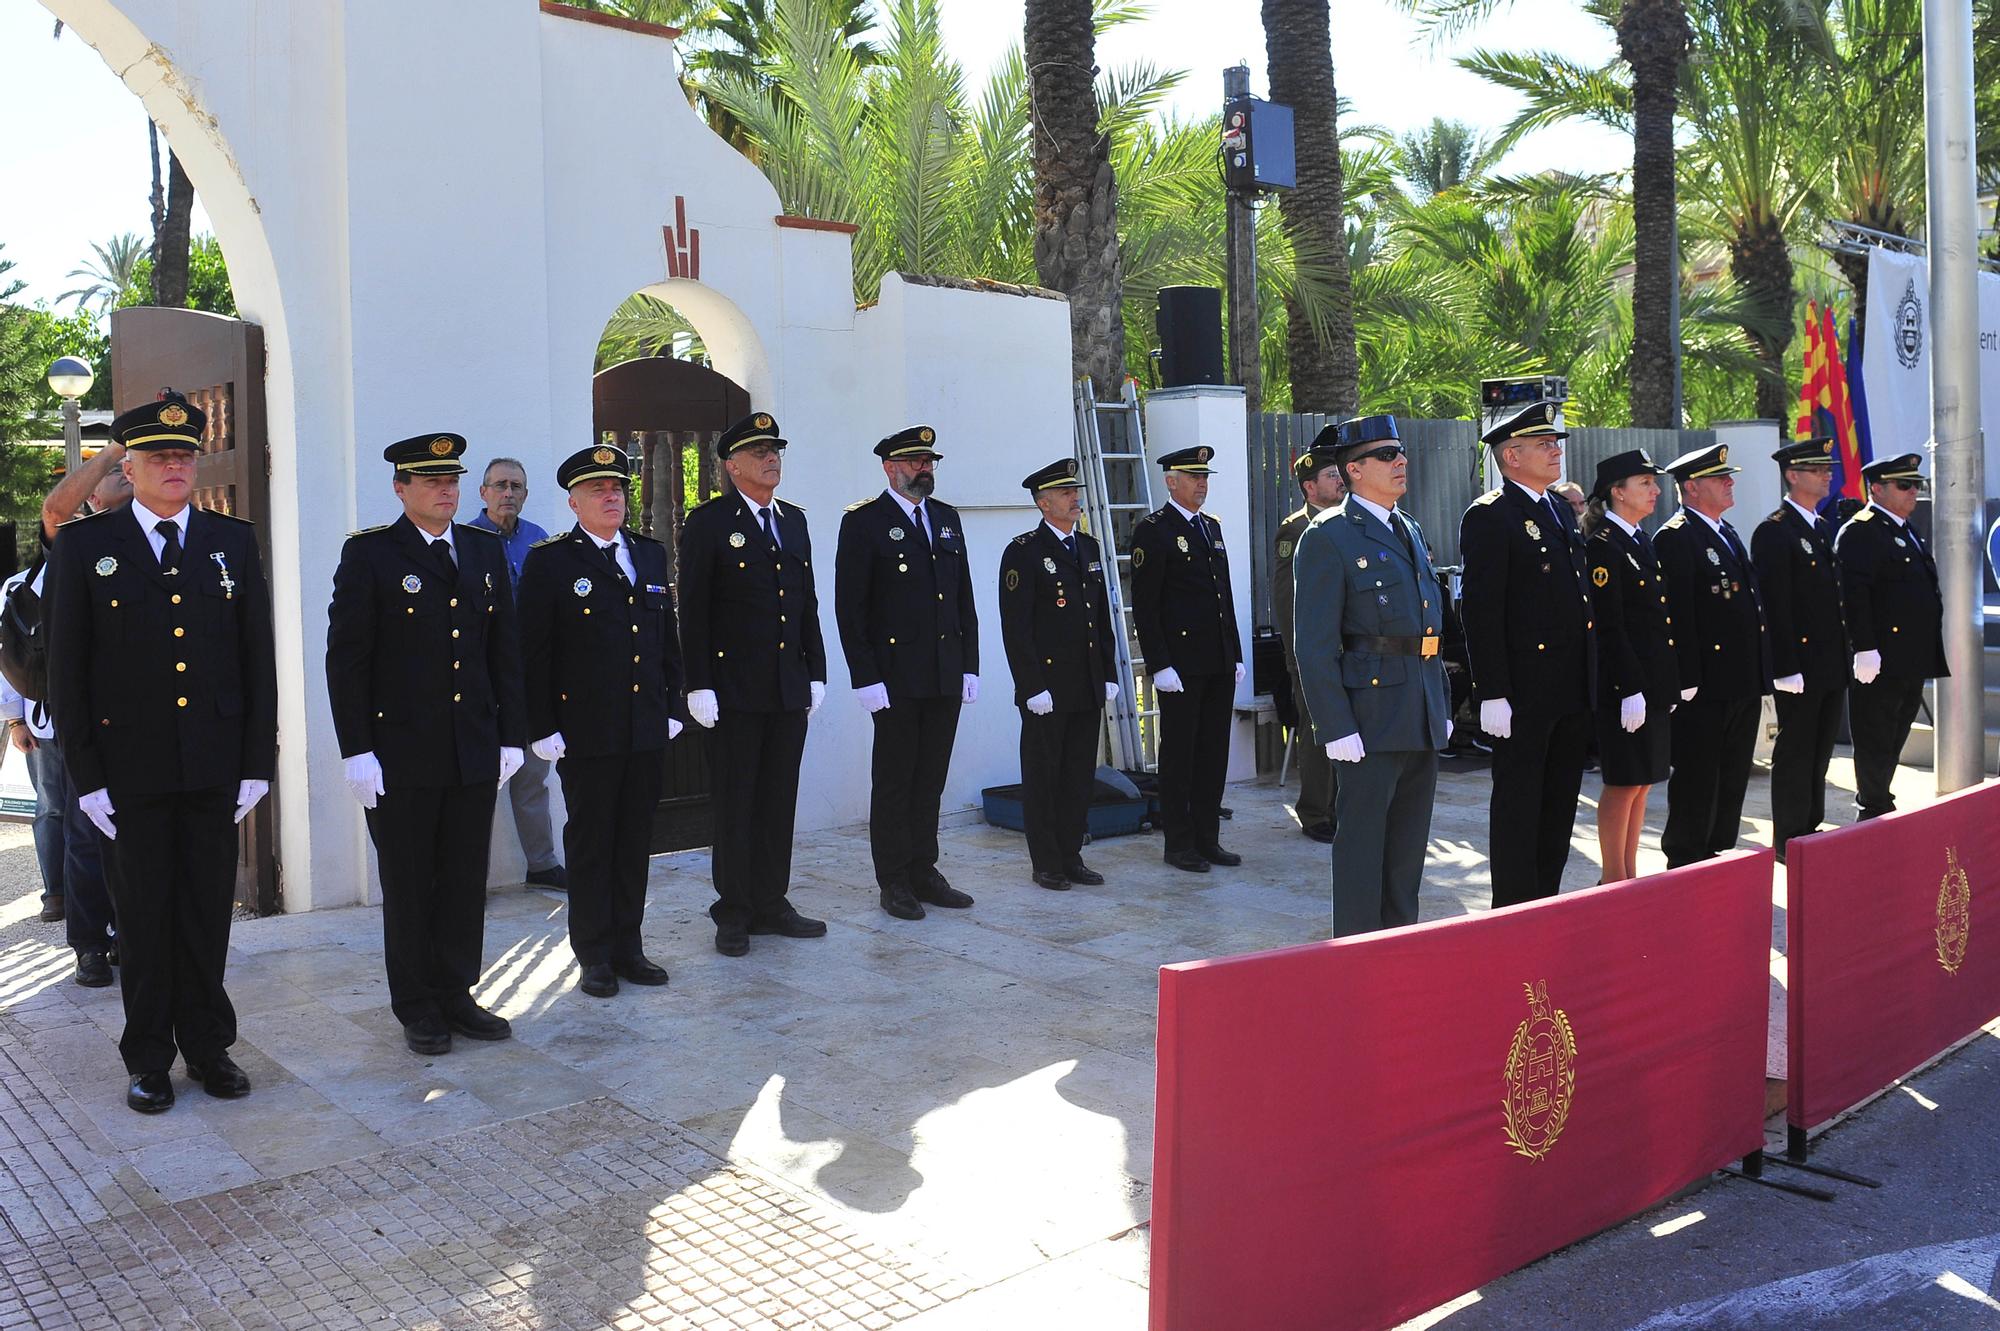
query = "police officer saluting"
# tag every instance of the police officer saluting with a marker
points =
(1895, 621)
(1186, 619)
(602, 659)
(1055, 619)
(903, 600)
(1528, 637)
(1319, 481)
(164, 688)
(423, 668)
(1724, 662)
(756, 669)
(1800, 580)
(1370, 621)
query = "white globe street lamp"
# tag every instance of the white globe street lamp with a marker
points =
(69, 379)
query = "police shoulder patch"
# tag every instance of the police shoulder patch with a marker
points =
(1599, 576)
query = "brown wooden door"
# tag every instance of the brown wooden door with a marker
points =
(218, 363)
(667, 413)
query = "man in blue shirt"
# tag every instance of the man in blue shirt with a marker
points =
(503, 490)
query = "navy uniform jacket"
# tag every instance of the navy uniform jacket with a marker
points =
(1055, 619)
(1351, 576)
(1634, 622)
(1181, 603)
(1719, 621)
(905, 613)
(1800, 584)
(1528, 632)
(749, 615)
(602, 658)
(158, 682)
(423, 664)
(1893, 603)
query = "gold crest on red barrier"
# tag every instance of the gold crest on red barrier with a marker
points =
(1540, 1076)
(1954, 913)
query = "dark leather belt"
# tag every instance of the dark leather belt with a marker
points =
(1424, 646)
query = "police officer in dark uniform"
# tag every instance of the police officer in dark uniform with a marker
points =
(1320, 484)
(1186, 620)
(423, 668)
(602, 659)
(1800, 583)
(1055, 619)
(1529, 641)
(903, 601)
(1895, 621)
(164, 688)
(1725, 669)
(756, 669)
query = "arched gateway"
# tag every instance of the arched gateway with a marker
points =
(431, 243)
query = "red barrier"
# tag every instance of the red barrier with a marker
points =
(1349, 1133)
(1892, 947)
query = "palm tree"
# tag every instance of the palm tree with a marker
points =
(1076, 191)
(1653, 37)
(1442, 156)
(105, 279)
(1298, 44)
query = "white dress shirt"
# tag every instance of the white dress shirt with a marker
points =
(623, 557)
(149, 522)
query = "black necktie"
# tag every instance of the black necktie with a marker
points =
(1402, 534)
(1069, 544)
(442, 549)
(1823, 530)
(770, 530)
(611, 558)
(170, 549)
(1645, 543)
(917, 520)
(1735, 545)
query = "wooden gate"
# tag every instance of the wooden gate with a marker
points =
(667, 413)
(218, 363)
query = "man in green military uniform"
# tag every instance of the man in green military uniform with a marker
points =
(1320, 483)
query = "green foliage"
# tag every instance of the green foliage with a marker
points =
(24, 472)
(79, 334)
(208, 280)
(117, 260)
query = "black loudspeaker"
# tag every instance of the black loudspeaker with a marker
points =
(1190, 327)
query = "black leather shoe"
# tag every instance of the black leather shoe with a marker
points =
(150, 1093)
(640, 971)
(220, 1077)
(788, 923)
(599, 981)
(1054, 882)
(897, 900)
(1189, 860)
(93, 970)
(1228, 859)
(475, 1022)
(555, 877)
(933, 890)
(732, 940)
(427, 1035)
(1320, 832)
(53, 910)
(1082, 873)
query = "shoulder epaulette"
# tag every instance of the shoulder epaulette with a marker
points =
(709, 502)
(1863, 516)
(215, 513)
(857, 505)
(641, 536)
(1487, 498)
(1677, 520)
(550, 540)
(790, 504)
(466, 526)
(1024, 538)
(369, 531)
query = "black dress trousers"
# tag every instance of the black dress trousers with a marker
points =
(1058, 777)
(1537, 774)
(605, 843)
(1880, 716)
(1713, 746)
(1807, 725)
(912, 755)
(430, 851)
(1194, 758)
(753, 764)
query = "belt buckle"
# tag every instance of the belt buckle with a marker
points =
(1430, 647)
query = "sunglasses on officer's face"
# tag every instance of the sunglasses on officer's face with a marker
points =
(1907, 485)
(1386, 453)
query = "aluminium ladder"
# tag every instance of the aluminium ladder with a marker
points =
(1111, 450)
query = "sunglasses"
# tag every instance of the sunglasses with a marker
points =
(1907, 485)
(1386, 453)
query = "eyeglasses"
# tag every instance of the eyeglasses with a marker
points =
(921, 464)
(1908, 485)
(761, 451)
(1386, 453)
(507, 487)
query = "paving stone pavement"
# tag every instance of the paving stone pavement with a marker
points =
(944, 1124)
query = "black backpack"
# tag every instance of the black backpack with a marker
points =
(24, 647)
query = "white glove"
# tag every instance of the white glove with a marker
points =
(1042, 703)
(1632, 713)
(674, 728)
(1448, 728)
(1790, 684)
(1867, 665)
(818, 688)
(1687, 694)
(550, 747)
(701, 706)
(96, 806)
(248, 792)
(971, 693)
(1496, 718)
(1168, 681)
(511, 759)
(1240, 672)
(873, 697)
(1347, 750)
(1110, 693)
(364, 778)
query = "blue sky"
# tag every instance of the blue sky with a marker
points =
(73, 166)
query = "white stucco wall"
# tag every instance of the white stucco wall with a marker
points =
(436, 244)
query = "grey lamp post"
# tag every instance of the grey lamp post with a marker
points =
(70, 378)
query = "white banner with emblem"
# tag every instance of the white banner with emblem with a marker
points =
(1896, 357)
